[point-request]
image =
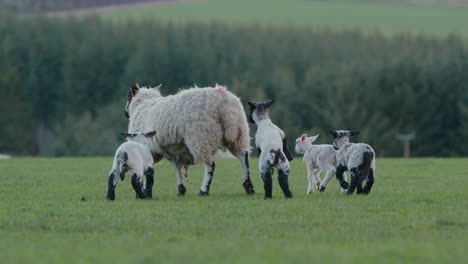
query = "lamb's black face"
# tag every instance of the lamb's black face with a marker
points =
(341, 137)
(258, 110)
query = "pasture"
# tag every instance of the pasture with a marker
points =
(337, 15)
(416, 213)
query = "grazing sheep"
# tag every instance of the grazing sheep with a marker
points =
(133, 155)
(317, 158)
(271, 143)
(192, 126)
(358, 158)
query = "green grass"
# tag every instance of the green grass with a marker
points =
(387, 18)
(417, 212)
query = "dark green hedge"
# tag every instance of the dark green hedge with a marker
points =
(64, 82)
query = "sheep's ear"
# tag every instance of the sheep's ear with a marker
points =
(158, 87)
(135, 88)
(127, 135)
(312, 139)
(252, 105)
(333, 132)
(354, 133)
(270, 102)
(150, 134)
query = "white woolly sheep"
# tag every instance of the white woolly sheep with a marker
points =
(133, 155)
(358, 158)
(317, 158)
(192, 126)
(271, 143)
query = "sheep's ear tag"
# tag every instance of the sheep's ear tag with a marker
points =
(303, 137)
(135, 89)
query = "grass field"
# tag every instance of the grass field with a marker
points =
(387, 18)
(417, 212)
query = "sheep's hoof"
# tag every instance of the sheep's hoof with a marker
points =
(344, 185)
(203, 194)
(267, 198)
(288, 196)
(248, 187)
(182, 190)
(110, 197)
(322, 188)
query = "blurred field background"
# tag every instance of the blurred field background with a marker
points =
(384, 67)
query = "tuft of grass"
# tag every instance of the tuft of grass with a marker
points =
(55, 211)
(337, 15)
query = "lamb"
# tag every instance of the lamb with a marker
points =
(358, 158)
(271, 144)
(192, 126)
(135, 156)
(317, 158)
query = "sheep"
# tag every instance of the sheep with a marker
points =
(358, 158)
(271, 143)
(192, 126)
(135, 156)
(317, 158)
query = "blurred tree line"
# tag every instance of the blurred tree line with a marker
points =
(63, 82)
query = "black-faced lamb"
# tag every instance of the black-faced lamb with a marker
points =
(270, 141)
(317, 158)
(133, 155)
(192, 126)
(358, 158)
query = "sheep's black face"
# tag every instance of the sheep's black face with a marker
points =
(341, 137)
(251, 111)
(259, 111)
(134, 90)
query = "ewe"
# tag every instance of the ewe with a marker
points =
(358, 158)
(271, 143)
(192, 126)
(133, 155)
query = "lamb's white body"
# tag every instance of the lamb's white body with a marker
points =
(317, 158)
(358, 158)
(270, 141)
(133, 156)
(192, 126)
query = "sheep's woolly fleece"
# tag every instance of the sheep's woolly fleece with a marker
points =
(192, 125)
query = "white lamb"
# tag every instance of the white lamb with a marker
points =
(192, 126)
(358, 158)
(133, 155)
(317, 158)
(271, 143)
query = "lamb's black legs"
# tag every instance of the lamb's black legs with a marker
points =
(354, 180)
(111, 187)
(283, 175)
(339, 176)
(369, 182)
(138, 186)
(246, 182)
(205, 188)
(267, 181)
(149, 182)
(181, 190)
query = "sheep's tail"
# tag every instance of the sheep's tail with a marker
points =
(121, 158)
(367, 161)
(234, 123)
(275, 156)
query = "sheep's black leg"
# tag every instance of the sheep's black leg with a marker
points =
(339, 176)
(369, 182)
(180, 181)
(359, 188)
(149, 182)
(283, 174)
(111, 187)
(209, 171)
(246, 182)
(354, 180)
(138, 187)
(266, 173)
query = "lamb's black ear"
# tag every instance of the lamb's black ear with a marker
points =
(150, 134)
(127, 135)
(270, 102)
(354, 133)
(252, 105)
(333, 132)
(135, 88)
